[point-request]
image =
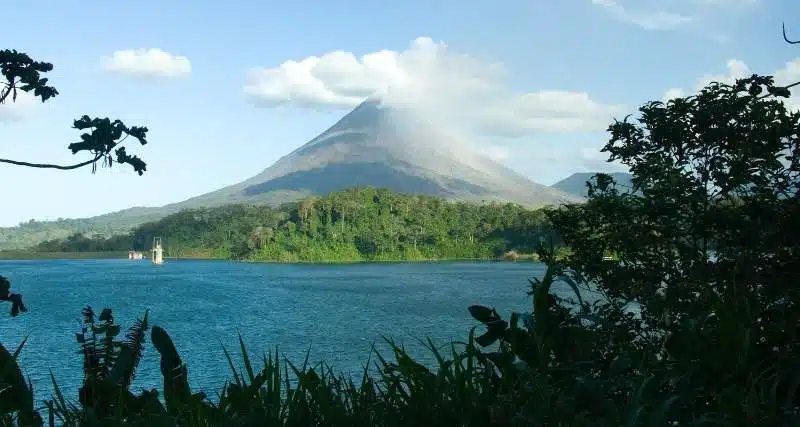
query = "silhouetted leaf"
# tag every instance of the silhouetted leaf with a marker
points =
(481, 313)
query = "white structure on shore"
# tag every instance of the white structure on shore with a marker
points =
(158, 251)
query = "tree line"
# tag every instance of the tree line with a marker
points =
(351, 225)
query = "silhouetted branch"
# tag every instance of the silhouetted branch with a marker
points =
(49, 166)
(786, 39)
(8, 90)
(102, 137)
(784, 87)
(783, 27)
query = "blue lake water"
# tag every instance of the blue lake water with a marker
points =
(337, 310)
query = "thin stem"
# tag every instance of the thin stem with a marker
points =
(5, 92)
(49, 166)
(786, 39)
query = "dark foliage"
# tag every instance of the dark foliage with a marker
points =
(707, 250)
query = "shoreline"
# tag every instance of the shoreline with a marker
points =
(400, 261)
(30, 256)
(55, 256)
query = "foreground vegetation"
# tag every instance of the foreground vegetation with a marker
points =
(360, 224)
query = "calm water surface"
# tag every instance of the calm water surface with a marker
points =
(337, 310)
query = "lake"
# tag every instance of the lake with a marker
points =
(337, 310)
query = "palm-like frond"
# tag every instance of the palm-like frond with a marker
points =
(130, 353)
(87, 340)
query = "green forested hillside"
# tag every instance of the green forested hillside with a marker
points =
(28, 234)
(352, 225)
(32, 232)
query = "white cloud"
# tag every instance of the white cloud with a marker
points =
(652, 14)
(497, 153)
(593, 160)
(647, 19)
(443, 85)
(672, 94)
(737, 69)
(152, 62)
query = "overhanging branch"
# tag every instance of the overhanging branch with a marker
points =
(49, 166)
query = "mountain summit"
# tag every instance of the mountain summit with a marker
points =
(378, 146)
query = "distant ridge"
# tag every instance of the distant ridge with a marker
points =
(371, 146)
(575, 184)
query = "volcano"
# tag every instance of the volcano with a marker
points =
(379, 146)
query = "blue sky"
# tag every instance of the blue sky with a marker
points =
(536, 82)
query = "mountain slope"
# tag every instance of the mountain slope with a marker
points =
(575, 184)
(370, 146)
